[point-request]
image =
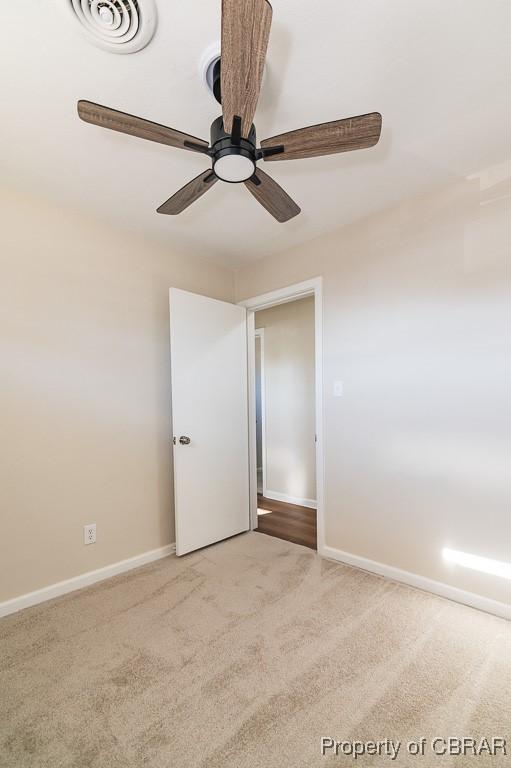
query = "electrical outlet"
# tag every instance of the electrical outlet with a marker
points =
(89, 533)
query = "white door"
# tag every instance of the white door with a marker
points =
(208, 354)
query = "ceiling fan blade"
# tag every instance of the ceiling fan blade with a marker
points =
(137, 126)
(189, 193)
(272, 196)
(245, 32)
(325, 139)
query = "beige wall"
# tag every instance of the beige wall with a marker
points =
(417, 319)
(289, 398)
(417, 324)
(84, 379)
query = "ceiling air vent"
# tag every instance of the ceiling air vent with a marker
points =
(120, 26)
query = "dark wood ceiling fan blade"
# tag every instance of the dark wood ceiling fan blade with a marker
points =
(245, 32)
(272, 196)
(189, 193)
(325, 139)
(137, 126)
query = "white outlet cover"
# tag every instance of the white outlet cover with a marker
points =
(89, 533)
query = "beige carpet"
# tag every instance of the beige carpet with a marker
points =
(243, 655)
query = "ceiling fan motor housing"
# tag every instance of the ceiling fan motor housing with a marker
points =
(234, 158)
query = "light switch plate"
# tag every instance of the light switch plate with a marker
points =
(338, 389)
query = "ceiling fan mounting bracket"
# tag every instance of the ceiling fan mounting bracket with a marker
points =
(216, 84)
(209, 69)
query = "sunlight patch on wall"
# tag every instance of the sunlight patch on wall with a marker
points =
(477, 563)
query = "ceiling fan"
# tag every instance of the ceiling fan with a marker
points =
(233, 151)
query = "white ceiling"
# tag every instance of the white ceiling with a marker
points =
(438, 71)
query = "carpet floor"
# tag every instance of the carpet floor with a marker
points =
(244, 655)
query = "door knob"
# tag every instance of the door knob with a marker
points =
(184, 440)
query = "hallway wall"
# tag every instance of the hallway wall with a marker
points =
(289, 367)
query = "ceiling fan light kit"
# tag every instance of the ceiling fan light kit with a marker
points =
(235, 80)
(234, 159)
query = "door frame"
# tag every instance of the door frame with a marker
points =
(259, 333)
(312, 287)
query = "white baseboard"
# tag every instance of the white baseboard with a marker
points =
(276, 496)
(83, 580)
(420, 582)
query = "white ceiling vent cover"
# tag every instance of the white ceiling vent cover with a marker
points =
(120, 26)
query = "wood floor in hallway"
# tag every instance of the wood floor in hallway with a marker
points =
(287, 521)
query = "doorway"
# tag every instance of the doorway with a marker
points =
(214, 341)
(285, 407)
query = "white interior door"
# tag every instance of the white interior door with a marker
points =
(208, 352)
